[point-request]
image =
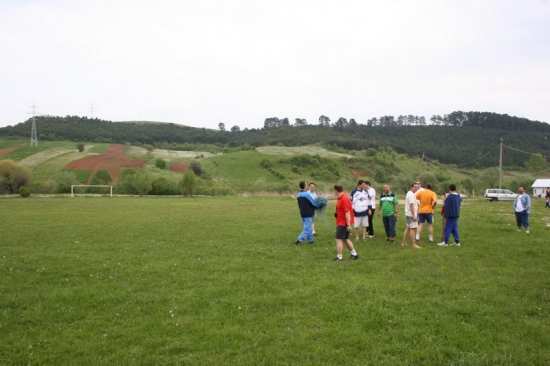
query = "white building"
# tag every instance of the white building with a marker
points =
(539, 187)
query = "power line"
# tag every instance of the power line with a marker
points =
(525, 152)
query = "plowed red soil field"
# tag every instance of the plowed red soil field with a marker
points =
(8, 150)
(111, 161)
(179, 167)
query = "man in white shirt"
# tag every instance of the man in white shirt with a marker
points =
(311, 191)
(411, 217)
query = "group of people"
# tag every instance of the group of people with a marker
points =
(357, 211)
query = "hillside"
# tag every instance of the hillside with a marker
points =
(458, 138)
(56, 165)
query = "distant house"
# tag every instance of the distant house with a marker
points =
(539, 187)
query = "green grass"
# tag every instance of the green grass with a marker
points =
(212, 281)
(4, 144)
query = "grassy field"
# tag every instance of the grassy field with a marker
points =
(212, 281)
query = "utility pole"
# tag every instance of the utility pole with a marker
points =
(500, 165)
(422, 163)
(34, 139)
(91, 110)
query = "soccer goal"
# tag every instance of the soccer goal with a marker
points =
(91, 186)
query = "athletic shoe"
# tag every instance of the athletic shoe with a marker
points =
(519, 231)
(354, 256)
(311, 242)
(417, 240)
(430, 241)
(337, 259)
(371, 236)
(314, 233)
(528, 233)
(442, 244)
(356, 238)
(297, 242)
(457, 244)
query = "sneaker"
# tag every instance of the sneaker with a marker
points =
(314, 233)
(311, 242)
(417, 240)
(356, 238)
(457, 244)
(354, 256)
(337, 259)
(430, 241)
(519, 231)
(296, 242)
(442, 244)
(371, 236)
(528, 233)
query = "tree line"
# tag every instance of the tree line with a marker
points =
(456, 138)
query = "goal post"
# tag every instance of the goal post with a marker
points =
(91, 185)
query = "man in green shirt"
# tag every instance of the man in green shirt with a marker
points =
(388, 207)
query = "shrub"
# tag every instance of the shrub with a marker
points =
(160, 163)
(24, 192)
(12, 176)
(164, 186)
(188, 184)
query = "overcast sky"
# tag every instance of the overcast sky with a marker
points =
(199, 63)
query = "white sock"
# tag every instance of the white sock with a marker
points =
(431, 237)
(417, 237)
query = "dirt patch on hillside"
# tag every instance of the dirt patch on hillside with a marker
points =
(117, 149)
(109, 162)
(180, 167)
(8, 150)
(358, 174)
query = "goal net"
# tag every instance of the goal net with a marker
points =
(91, 190)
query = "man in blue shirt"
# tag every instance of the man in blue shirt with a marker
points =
(522, 209)
(452, 213)
(307, 206)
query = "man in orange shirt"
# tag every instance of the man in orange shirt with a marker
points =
(428, 201)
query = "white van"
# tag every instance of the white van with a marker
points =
(497, 194)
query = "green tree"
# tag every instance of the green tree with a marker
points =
(189, 184)
(160, 163)
(80, 146)
(536, 163)
(324, 121)
(102, 177)
(196, 167)
(13, 176)
(142, 182)
(64, 181)
(164, 186)
(490, 177)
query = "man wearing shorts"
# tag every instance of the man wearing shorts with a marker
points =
(427, 200)
(360, 205)
(411, 212)
(344, 220)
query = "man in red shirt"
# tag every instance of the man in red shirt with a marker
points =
(344, 221)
